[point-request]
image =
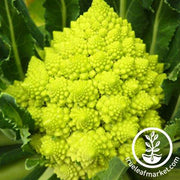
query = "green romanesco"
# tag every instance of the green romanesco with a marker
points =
(94, 90)
(125, 150)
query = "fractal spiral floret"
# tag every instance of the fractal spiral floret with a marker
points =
(94, 90)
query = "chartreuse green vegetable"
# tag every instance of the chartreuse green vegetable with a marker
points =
(94, 90)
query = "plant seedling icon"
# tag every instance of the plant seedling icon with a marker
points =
(152, 148)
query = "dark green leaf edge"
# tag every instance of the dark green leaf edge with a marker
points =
(173, 76)
(177, 9)
(33, 29)
(21, 121)
(13, 113)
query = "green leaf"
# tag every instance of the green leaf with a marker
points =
(14, 114)
(36, 11)
(176, 149)
(3, 83)
(34, 31)
(25, 134)
(4, 49)
(10, 111)
(14, 171)
(116, 169)
(137, 16)
(126, 176)
(171, 85)
(116, 5)
(171, 92)
(4, 124)
(31, 163)
(9, 147)
(84, 5)
(12, 156)
(162, 28)
(10, 133)
(59, 14)
(173, 57)
(18, 120)
(175, 73)
(5, 141)
(174, 4)
(172, 89)
(172, 175)
(35, 174)
(173, 130)
(14, 31)
(176, 113)
(148, 4)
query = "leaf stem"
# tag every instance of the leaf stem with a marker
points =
(13, 40)
(155, 28)
(122, 8)
(63, 9)
(47, 174)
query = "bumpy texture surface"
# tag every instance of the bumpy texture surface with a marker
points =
(94, 90)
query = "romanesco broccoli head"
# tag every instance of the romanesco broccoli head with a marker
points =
(94, 90)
